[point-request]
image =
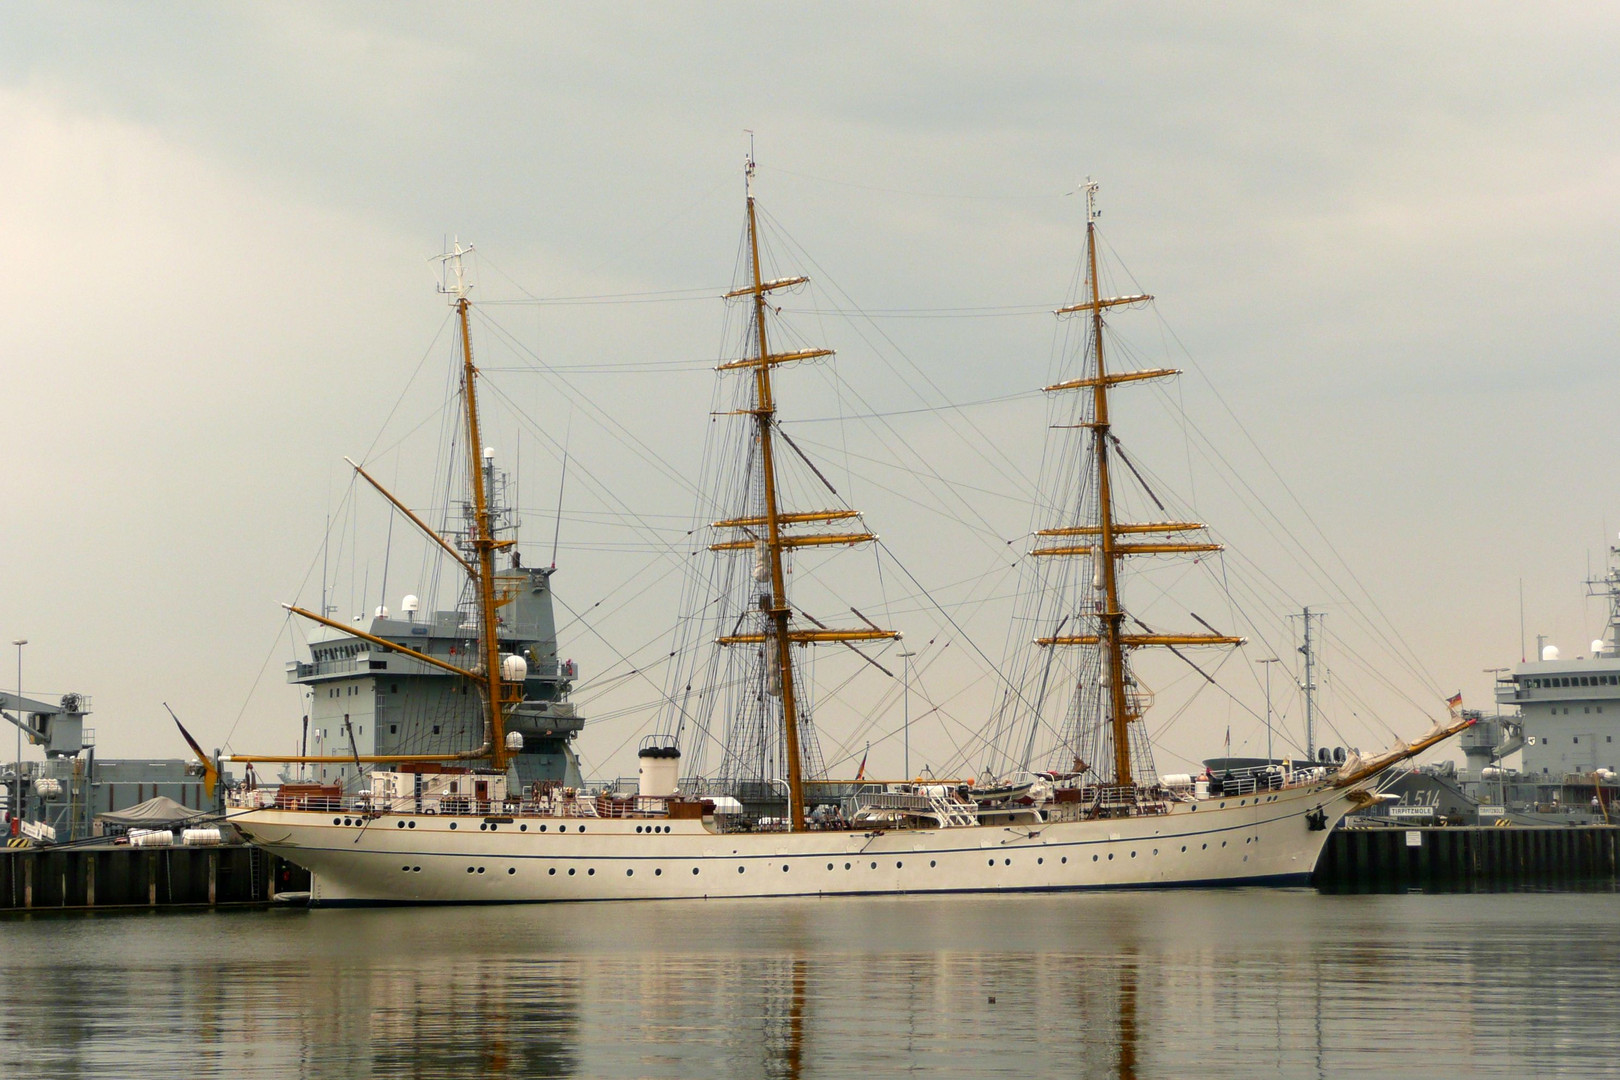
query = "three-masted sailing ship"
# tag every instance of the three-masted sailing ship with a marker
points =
(469, 827)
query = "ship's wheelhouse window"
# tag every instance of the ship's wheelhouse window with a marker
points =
(435, 729)
(1577, 739)
(1586, 680)
(393, 688)
(393, 729)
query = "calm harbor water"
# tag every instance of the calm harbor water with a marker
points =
(1154, 984)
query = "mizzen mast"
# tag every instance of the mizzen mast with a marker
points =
(766, 533)
(1102, 541)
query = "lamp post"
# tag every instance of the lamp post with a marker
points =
(1268, 662)
(17, 777)
(905, 697)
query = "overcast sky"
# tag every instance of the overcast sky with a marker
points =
(1385, 235)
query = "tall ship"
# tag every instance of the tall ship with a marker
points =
(482, 825)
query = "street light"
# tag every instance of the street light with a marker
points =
(17, 777)
(1268, 662)
(905, 697)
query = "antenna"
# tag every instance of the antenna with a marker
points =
(1092, 213)
(748, 165)
(450, 264)
(556, 534)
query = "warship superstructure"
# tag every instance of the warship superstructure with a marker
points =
(1558, 719)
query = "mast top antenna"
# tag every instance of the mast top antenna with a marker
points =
(748, 165)
(1092, 213)
(451, 266)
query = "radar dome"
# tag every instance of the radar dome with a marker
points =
(489, 453)
(1549, 652)
(1597, 646)
(514, 668)
(382, 611)
(410, 604)
(514, 741)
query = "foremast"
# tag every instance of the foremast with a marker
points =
(1102, 541)
(779, 635)
(499, 695)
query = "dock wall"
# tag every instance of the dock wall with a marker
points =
(96, 877)
(1461, 858)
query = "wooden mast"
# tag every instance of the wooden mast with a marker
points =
(1113, 616)
(484, 546)
(777, 611)
(780, 636)
(1103, 542)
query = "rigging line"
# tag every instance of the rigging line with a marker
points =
(589, 301)
(638, 242)
(664, 698)
(1021, 396)
(1129, 464)
(916, 194)
(275, 643)
(806, 459)
(407, 387)
(1016, 479)
(603, 417)
(968, 314)
(1301, 507)
(1295, 549)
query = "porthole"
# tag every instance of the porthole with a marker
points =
(658, 872)
(552, 872)
(452, 824)
(629, 873)
(482, 826)
(932, 863)
(898, 864)
(591, 872)
(1223, 843)
(784, 868)
(399, 824)
(337, 821)
(480, 869)
(829, 866)
(874, 866)
(739, 869)
(570, 871)
(1110, 856)
(1040, 862)
(416, 869)
(1133, 854)
(992, 862)
(493, 826)
(410, 824)
(469, 869)
(562, 828)
(1006, 862)
(542, 828)
(579, 828)
(405, 869)
(1065, 859)
(694, 871)
(1205, 847)
(523, 828)
(1094, 858)
(510, 870)
(846, 866)
(1183, 849)
(638, 828)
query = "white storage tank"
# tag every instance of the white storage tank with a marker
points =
(658, 770)
(200, 837)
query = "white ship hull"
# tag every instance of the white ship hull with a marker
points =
(428, 859)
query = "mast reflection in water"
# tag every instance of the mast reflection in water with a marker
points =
(1134, 985)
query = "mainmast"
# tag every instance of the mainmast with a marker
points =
(1105, 546)
(779, 636)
